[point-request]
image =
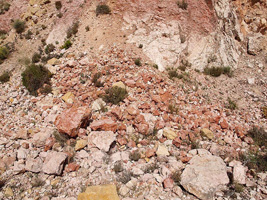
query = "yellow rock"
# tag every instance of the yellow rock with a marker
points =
(208, 133)
(68, 97)
(9, 192)
(53, 61)
(119, 84)
(100, 192)
(11, 100)
(169, 133)
(54, 182)
(80, 144)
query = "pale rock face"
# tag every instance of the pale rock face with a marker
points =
(102, 139)
(203, 175)
(239, 172)
(54, 163)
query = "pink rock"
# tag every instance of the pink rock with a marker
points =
(168, 183)
(150, 153)
(71, 167)
(143, 128)
(104, 125)
(102, 139)
(54, 163)
(71, 120)
(224, 124)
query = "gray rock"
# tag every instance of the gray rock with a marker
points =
(204, 174)
(54, 163)
(255, 44)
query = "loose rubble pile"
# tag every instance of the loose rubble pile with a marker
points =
(163, 141)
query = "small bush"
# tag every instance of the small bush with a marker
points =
(255, 160)
(24, 61)
(182, 4)
(28, 35)
(259, 135)
(231, 104)
(4, 52)
(264, 112)
(36, 58)
(102, 10)
(156, 66)
(137, 62)
(118, 167)
(172, 73)
(135, 156)
(238, 187)
(67, 44)
(34, 77)
(176, 177)
(60, 138)
(4, 7)
(96, 81)
(58, 5)
(73, 29)
(87, 28)
(5, 77)
(150, 168)
(49, 48)
(115, 95)
(140, 46)
(217, 71)
(125, 177)
(173, 108)
(19, 26)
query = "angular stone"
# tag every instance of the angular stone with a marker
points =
(169, 133)
(239, 172)
(68, 97)
(54, 163)
(53, 61)
(71, 120)
(98, 104)
(101, 192)
(162, 151)
(102, 139)
(207, 133)
(203, 175)
(104, 125)
(80, 144)
(34, 165)
(168, 183)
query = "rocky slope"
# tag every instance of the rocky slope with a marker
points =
(187, 137)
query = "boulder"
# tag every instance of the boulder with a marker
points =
(54, 163)
(71, 120)
(100, 192)
(204, 174)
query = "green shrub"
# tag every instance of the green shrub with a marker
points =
(102, 10)
(259, 135)
(238, 187)
(34, 77)
(96, 81)
(28, 35)
(231, 104)
(182, 4)
(115, 95)
(135, 155)
(5, 77)
(4, 52)
(36, 58)
(73, 29)
(67, 44)
(172, 73)
(4, 6)
(176, 177)
(49, 48)
(58, 5)
(217, 71)
(125, 177)
(60, 138)
(138, 62)
(19, 25)
(255, 160)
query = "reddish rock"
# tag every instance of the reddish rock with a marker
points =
(71, 120)
(177, 142)
(168, 183)
(104, 125)
(143, 128)
(117, 112)
(71, 167)
(49, 143)
(122, 141)
(140, 119)
(156, 98)
(130, 83)
(150, 153)
(224, 124)
(132, 110)
(131, 144)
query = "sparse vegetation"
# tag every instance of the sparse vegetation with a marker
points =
(60, 138)
(255, 160)
(96, 81)
(264, 112)
(176, 177)
(5, 77)
(73, 29)
(49, 48)
(259, 135)
(58, 5)
(37, 182)
(125, 177)
(4, 52)
(67, 44)
(140, 46)
(118, 167)
(36, 57)
(217, 71)
(115, 95)
(24, 61)
(4, 6)
(238, 187)
(182, 4)
(137, 62)
(155, 66)
(87, 28)
(34, 77)
(151, 168)
(173, 109)
(172, 72)
(135, 155)
(231, 104)
(28, 35)
(102, 10)
(19, 25)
